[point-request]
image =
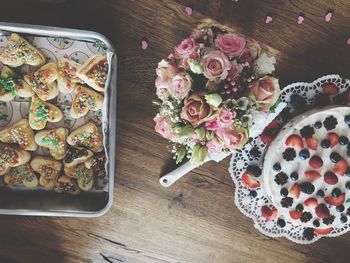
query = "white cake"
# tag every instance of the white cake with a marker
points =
(303, 178)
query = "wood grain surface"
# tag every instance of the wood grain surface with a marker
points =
(196, 219)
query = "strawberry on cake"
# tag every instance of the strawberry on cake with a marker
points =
(306, 173)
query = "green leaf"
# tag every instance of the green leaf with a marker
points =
(201, 133)
(198, 154)
(180, 154)
(185, 132)
(273, 108)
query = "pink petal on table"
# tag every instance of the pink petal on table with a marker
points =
(188, 10)
(268, 19)
(144, 44)
(300, 19)
(328, 16)
(348, 41)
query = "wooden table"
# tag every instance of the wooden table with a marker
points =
(196, 219)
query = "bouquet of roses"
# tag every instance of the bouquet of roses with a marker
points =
(214, 91)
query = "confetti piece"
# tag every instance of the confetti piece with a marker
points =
(348, 41)
(328, 16)
(188, 10)
(268, 19)
(144, 44)
(301, 19)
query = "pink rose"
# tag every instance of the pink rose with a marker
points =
(234, 71)
(230, 44)
(197, 34)
(212, 125)
(196, 110)
(226, 118)
(163, 126)
(180, 85)
(214, 145)
(186, 48)
(250, 52)
(265, 92)
(232, 139)
(215, 66)
(165, 72)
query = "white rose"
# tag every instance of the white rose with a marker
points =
(264, 65)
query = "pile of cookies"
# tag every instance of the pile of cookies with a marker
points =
(76, 157)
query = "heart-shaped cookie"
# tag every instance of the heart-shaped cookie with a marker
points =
(67, 78)
(22, 174)
(41, 112)
(43, 81)
(19, 133)
(87, 136)
(48, 169)
(94, 72)
(84, 176)
(11, 157)
(85, 99)
(19, 51)
(54, 140)
(11, 85)
(68, 185)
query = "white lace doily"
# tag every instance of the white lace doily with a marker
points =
(246, 201)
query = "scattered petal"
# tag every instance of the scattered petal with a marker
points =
(268, 19)
(328, 16)
(144, 44)
(188, 10)
(348, 41)
(301, 19)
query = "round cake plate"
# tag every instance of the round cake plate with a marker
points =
(250, 201)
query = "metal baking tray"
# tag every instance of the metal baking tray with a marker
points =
(49, 203)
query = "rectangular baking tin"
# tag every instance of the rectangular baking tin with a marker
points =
(49, 203)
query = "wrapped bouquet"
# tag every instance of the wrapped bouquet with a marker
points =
(215, 90)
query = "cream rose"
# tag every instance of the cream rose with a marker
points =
(265, 92)
(180, 85)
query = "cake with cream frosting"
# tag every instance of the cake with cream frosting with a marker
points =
(306, 170)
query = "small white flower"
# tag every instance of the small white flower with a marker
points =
(264, 65)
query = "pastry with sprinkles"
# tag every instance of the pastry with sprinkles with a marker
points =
(48, 169)
(11, 85)
(43, 81)
(87, 136)
(41, 112)
(75, 156)
(19, 133)
(19, 52)
(22, 174)
(94, 72)
(85, 100)
(11, 156)
(83, 175)
(67, 185)
(54, 140)
(67, 78)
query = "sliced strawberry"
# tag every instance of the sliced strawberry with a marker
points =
(341, 167)
(348, 95)
(295, 191)
(312, 143)
(273, 125)
(315, 162)
(295, 141)
(249, 181)
(333, 138)
(322, 211)
(311, 202)
(323, 231)
(268, 213)
(336, 201)
(330, 89)
(295, 214)
(330, 178)
(312, 175)
(266, 138)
